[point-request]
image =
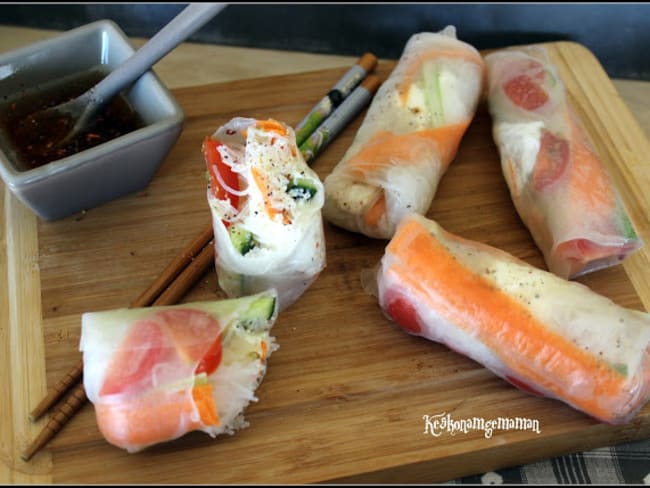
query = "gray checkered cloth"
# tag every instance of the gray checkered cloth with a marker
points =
(623, 464)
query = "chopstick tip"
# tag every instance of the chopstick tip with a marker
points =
(28, 453)
(368, 61)
(371, 83)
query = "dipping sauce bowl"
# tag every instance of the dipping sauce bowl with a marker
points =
(118, 156)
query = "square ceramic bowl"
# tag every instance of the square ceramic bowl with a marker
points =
(109, 170)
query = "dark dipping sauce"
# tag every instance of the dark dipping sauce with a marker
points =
(34, 142)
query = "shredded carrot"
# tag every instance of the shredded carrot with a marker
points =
(264, 348)
(202, 395)
(271, 125)
(376, 211)
(262, 183)
(474, 304)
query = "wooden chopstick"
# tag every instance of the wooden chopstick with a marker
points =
(175, 280)
(174, 269)
(73, 402)
(146, 298)
(187, 277)
(58, 390)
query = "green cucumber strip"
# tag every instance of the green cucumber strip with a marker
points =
(261, 309)
(433, 92)
(621, 368)
(200, 379)
(550, 75)
(259, 312)
(301, 189)
(241, 239)
(628, 228)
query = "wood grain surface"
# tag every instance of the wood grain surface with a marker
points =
(345, 395)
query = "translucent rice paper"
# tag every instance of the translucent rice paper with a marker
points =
(289, 251)
(558, 183)
(142, 367)
(543, 334)
(409, 136)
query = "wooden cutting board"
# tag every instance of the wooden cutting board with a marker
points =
(345, 396)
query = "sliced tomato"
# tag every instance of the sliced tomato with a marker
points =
(216, 166)
(525, 92)
(191, 332)
(171, 338)
(403, 313)
(211, 360)
(552, 160)
(131, 367)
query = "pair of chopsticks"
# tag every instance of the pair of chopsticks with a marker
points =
(348, 97)
(336, 109)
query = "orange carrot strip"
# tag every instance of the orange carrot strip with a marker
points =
(271, 126)
(375, 212)
(149, 419)
(474, 304)
(262, 183)
(588, 179)
(264, 347)
(202, 395)
(387, 147)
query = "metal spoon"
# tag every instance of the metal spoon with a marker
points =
(82, 110)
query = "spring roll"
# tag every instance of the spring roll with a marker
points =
(266, 210)
(558, 183)
(543, 334)
(155, 374)
(409, 136)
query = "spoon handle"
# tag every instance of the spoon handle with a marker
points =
(191, 19)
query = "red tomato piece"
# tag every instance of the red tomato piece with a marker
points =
(132, 365)
(525, 92)
(193, 334)
(523, 386)
(552, 160)
(209, 363)
(216, 166)
(403, 313)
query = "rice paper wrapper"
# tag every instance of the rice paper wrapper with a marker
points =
(154, 374)
(541, 333)
(279, 214)
(559, 184)
(409, 136)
